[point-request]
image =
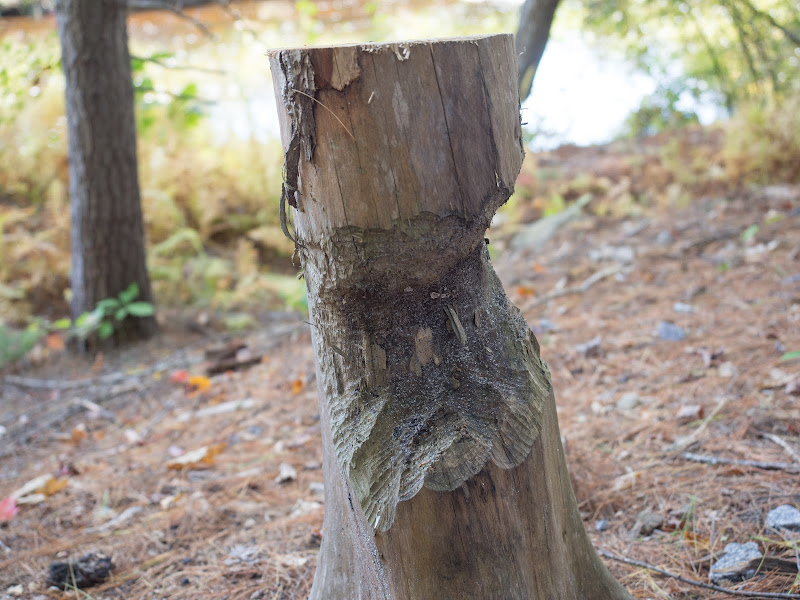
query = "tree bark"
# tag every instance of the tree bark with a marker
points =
(444, 473)
(535, 20)
(108, 252)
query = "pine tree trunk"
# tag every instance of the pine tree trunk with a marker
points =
(108, 252)
(444, 472)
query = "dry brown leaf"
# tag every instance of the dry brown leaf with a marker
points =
(37, 489)
(199, 384)
(78, 434)
(55, 342)
(201, 458)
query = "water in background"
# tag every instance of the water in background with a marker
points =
(580, 95)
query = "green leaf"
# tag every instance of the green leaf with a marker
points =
(108, 305)
(121, 313)
(129, 295)
(791, 355)
(104, 330)
(189, 92)
(749, 233)
(62, 324)
(140, 309)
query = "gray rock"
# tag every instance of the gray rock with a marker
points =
(620, 254)
(682, 307)
(664, 238)
(287, 473)
(600, 525)
(670, 332)
(546, 324)
(739, 562)
(590, 349)
(784, 517)
(647, 521)
(628, 401)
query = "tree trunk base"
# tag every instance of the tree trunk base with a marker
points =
(513, 534)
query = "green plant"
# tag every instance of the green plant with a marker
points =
(106, 318)
(14, 344)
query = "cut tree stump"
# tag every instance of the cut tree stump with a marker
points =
(444, 472)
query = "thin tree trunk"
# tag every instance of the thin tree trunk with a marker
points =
(535, 20)
(108, 252)
(444, 473)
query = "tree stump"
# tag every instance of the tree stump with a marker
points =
(444, 472)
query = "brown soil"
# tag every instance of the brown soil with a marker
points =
(229, 530)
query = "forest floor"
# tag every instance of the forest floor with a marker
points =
(666, 329)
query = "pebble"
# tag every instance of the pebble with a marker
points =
(600, 525)
(726, 369)
(647, 521)
(664, 238)
(592, 348)
(286, 473)
(620, 254)
(682, 307)
(784, 517)
(546, 324)
(628, 401)
(670, 332)
(739, 562)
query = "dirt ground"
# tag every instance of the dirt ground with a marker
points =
(637, 411)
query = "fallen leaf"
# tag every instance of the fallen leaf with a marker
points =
(626, 481)
(8, 508)
(53, 485)
(55, 342)
(199, 383)
(689, 413)
(297, 386)
(132, 436)
(525, 291)
(202, 458)
(78, 433)
(179, 377)
(44, 484)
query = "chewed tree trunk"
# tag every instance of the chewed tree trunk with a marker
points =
(444, 473)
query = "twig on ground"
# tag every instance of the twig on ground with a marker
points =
(758, 464)
(783, 444)
(683, 443)
(708, 586)
(575, 289)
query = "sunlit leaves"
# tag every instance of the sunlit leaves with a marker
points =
(738, 49)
